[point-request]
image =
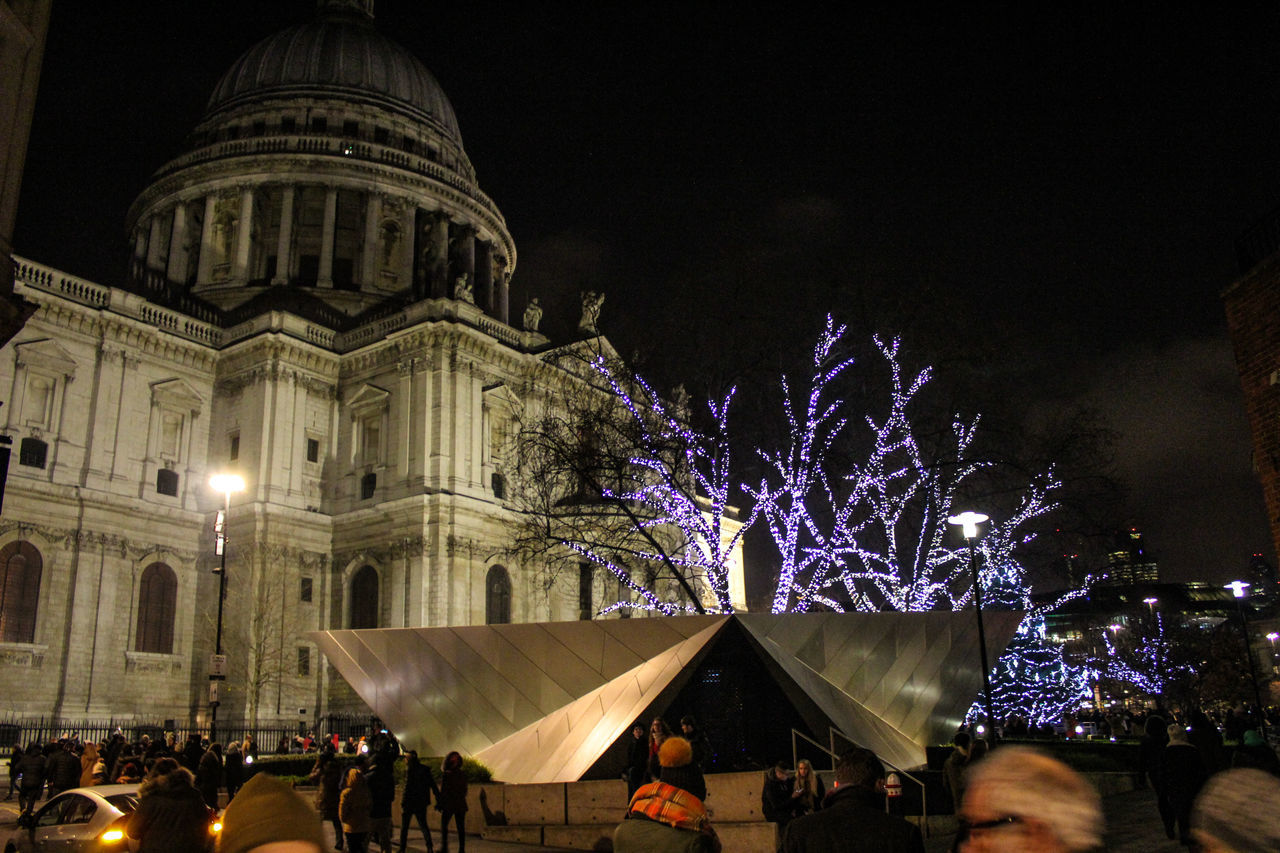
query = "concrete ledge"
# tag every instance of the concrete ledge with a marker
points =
(601, 801)
(735, 797)
(542, 804)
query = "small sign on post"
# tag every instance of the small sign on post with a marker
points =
(217, 667)
(213, 693)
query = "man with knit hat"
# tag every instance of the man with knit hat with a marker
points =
(268, 817)
(668, 816)
(1238, 812)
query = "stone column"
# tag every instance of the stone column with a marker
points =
(244, 235)
(484, 276)
(177, 249)
(504, 296)
(155, 261)
(326, 237)
(370, 263)
(439, 272)
(285, 244)
(408, 249)
(204, 273)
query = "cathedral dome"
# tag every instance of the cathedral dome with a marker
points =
(340, 53)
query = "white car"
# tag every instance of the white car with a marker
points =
(82, 819)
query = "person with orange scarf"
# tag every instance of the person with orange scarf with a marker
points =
(668, 816)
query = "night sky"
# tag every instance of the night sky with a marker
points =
(1059, 189)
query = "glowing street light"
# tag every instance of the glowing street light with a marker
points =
(1151, 604)
(1239, 590)
(969, 522)
(226, 484)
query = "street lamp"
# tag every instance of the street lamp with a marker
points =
(1239, 590)
(969, 522)
(1273, 636)
(1151, 605)
(226, 484)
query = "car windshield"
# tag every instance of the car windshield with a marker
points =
(126, 803)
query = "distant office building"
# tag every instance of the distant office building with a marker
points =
(1128, 562)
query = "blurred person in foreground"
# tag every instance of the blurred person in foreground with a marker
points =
(668, 816)
(171, 813)
(1237, 812)
(1019, 800)
(268, 817)
(852, 819)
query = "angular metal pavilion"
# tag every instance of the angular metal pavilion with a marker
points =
(541, 702)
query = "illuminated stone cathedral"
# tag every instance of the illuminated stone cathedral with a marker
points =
(317, 300)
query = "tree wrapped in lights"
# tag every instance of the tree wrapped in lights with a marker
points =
(616, 476)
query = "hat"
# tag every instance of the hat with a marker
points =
(676, 757)
(675, 752)
(267, 810)
(1239, 809)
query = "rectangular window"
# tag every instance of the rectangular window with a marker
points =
(170, 434)
(313, 450)
(319, 124)
(381, 135)
(259, 128)
(167, 482)
(233, 450)
(368, 485)
(288, 124)
(304, 592)
(32, 452)
(304, 661)
(351, 128)
(409, 144)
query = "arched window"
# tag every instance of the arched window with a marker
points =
(157, 601)
(364, 598)
(20, 566)
(497, 597)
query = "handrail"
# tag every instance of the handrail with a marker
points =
(830, 750)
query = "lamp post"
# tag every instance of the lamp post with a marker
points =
(1273, 636)
(226, 484)
(1151, 605)
(1240, 589)
(969, 522)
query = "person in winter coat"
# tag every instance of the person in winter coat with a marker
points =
(953, 768)
(852, 816)
(63, 769)
(452, 801)
(382, 795)
(1255, 752)
(92, 768)
(668, 816)
(233, 769)
(171, 813)
(327, 776)
(32, 767)
(209, 775)
(810, 788)
(419, 785)
(1183, 771)
(353, 811)
(637, 759)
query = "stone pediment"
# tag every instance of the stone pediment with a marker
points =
(177, 394)
(500, 396)
(369, 397)
(46, 354)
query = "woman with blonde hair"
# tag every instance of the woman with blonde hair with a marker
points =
(809, 790)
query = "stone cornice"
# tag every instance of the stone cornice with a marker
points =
(80, 539)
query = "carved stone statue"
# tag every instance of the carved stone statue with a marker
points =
(591, 302)
(462, 290)
(532, 315)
